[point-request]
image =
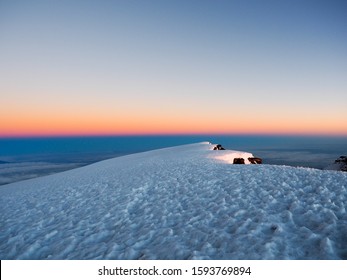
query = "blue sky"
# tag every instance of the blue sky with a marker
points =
(173, 66)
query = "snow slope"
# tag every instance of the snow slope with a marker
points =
(183, 202)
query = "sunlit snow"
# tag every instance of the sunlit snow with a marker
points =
(229, 156)
(185, 202)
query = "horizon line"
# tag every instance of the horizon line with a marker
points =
(22, 136)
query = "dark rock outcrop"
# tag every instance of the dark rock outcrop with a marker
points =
(340, 164)
(342, 161)
(239, 161)
(255, 160)
(218, 147)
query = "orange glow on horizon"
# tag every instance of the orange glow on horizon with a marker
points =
(69, 125)
(74, 119)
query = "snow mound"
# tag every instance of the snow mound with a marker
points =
(228, 156)
(177, 203)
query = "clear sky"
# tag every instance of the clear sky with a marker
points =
(147, 67)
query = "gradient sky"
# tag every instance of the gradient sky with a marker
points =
(147, 67)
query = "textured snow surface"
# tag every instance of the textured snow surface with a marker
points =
(176, 203)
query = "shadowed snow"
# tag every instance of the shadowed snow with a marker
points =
(176, 203)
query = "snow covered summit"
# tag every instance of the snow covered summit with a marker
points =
(185, 202)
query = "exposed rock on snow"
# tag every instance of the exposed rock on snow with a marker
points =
(236, 157)
(340, 164)
(239, 161)
(176, 203)
(255, 160)
(218, 147)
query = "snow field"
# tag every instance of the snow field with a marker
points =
(176, 203)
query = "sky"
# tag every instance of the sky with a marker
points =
(107, 67)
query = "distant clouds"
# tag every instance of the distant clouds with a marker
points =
(13, 172)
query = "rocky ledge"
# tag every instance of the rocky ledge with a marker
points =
(340, 164)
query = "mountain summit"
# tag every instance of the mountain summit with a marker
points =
(184, 202)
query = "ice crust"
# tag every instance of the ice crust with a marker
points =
(177, 203)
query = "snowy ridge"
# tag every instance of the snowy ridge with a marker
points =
(176, 203)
